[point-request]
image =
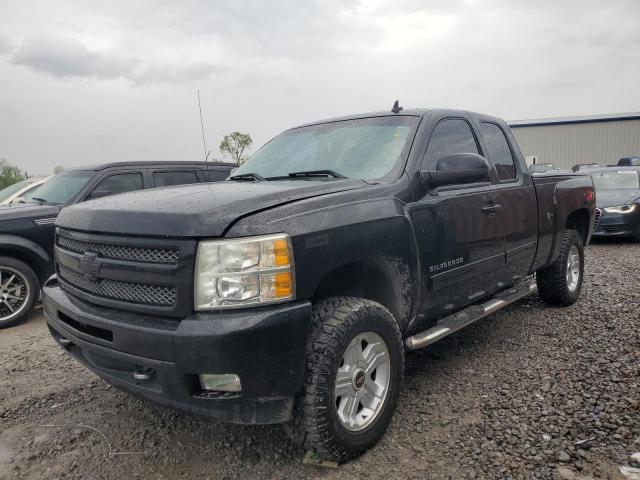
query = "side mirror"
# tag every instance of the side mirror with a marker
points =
(98, 194)
(457, 169)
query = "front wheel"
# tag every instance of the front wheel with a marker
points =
(560, 283)
(19, 290)
(355, 363)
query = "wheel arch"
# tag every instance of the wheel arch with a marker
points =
(28, 252)
(578, 220)
(383, 279)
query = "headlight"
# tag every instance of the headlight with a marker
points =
(244, 271)
(621, 209)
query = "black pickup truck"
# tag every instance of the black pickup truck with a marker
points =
(27, 229)
(290, 293)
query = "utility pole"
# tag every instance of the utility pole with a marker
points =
(204, 143)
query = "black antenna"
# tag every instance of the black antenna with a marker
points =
(396, 107)
(204, 144)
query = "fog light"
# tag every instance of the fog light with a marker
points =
(226, 382)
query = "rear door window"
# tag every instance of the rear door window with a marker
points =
(216, 175)
(177, 177)
(498, 150)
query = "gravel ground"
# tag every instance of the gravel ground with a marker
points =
(531, 392)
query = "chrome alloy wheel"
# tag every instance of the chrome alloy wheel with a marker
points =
(362, 381)
(573, 268)
(14, 293)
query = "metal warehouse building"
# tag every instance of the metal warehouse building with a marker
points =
(565, 142)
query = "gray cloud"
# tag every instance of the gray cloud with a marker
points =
(5, 43)
(170, 74)
(68, 58)
(264, 66)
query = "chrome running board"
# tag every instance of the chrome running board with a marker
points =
(455, 322)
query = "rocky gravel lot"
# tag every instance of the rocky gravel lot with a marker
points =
(531, 392)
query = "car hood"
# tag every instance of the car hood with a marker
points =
(192, 210)
(612, 198)
(27, 210)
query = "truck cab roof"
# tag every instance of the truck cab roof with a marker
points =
(409, 112)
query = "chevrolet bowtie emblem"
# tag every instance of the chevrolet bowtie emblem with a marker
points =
(90, 266)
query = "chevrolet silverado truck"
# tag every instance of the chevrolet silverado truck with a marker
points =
(291, 292)
(27, 228)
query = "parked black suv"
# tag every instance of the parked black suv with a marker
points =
(27, 229)
(289, 293)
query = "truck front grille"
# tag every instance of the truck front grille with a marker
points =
(120, 291)
(596, 218)
(132, 273)
(120, 252)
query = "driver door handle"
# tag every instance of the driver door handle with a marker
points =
(492, 208)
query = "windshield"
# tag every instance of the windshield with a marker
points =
(367, 148)
(60, 188)
(620, 180)
(11, 189)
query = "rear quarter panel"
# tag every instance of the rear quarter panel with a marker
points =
(558, 196)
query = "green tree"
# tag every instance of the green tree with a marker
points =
(10, 174)
(58, 169)
(237, 145)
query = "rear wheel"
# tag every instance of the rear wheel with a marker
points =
(560, 283)
(355, 362)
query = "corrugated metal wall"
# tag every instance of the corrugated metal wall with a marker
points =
(568, 144)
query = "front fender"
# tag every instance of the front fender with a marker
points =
(329, 237)
(38, 258)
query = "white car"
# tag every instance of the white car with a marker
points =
(14, 192)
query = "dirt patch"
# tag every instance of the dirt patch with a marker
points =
(531, 392)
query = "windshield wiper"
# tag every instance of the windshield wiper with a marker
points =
(316, 173)
(38, 199)
(247, 176)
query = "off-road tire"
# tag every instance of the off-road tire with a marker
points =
(32, 295)
(553, 287)
(335, 322)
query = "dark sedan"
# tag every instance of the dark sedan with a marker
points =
(617, 201)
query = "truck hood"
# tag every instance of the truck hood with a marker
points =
(613, 198)
(192, 210)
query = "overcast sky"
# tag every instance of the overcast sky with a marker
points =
(85, 82)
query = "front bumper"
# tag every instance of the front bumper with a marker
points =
(265, 347)
(618, 224)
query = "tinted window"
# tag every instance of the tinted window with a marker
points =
(120, 183)
(450, 137)
(166, 179)
(216, 175)
(499, 151)
(629, 162)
